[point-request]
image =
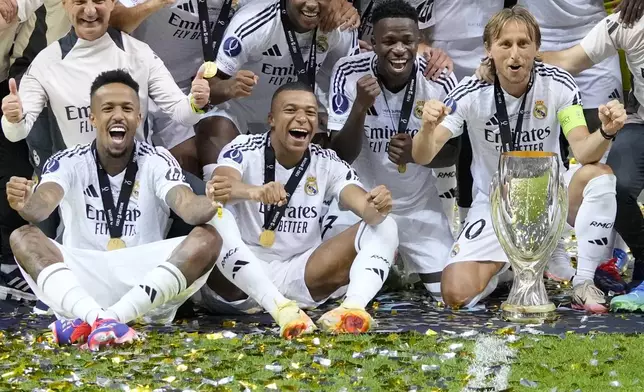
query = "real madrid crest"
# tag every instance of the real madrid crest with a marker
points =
(540, 110)
(322, 43)
(311, 186)
(418, 110)
(455, 250)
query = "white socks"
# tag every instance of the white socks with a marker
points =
(376, 247)
(239, 265)
(594, 226)
(61, 286)
(159, 285)
(446, 187)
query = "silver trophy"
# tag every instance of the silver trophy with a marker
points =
(529, 207)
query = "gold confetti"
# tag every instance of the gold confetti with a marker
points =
(182, 368)
(431, 332)
(214, 336)
(295, 365)
(116, 360)
(375, 305)
(169, 379)
(229, 324)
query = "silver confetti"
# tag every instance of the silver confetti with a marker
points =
(322, 361)
(229, 334)
(612, 373)
(594, 362)
(615, 384)
(316, 341)
(455, 346)
(273, 368)
(528, 383)
(429, 368)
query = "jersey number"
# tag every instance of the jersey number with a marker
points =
(329, 224)
(472, 230)
(425, 11)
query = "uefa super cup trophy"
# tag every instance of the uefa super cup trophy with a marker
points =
(529, 207)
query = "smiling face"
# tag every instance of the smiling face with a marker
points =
(395, 42)
(294, 119)
(90, 18)
(305, 14)
(513, 53)
(116, 116)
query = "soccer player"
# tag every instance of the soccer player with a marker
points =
(69, 65)
(276, 183)
(626, 158)
(255, 58)
(534, 99)
(115, 196)
(376, 102)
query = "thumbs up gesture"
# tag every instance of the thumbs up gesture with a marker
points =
(200, 90)
(11, 104)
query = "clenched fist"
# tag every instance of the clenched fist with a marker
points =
(379, 198)
(612, 116)
(218, 189)
(19, 190)
(241, 85)
(271, 193)
(400, 149)
(367, 91)
(11, 104)
(434, 112)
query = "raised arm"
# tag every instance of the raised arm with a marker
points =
(432, 136)
(193, 209)
(37, 206)
(573, 60)
(127, 19)
(22, 108)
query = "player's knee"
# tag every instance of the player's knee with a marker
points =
(590, 171)
(207, 243)
(459, 289)
(24, 238)
(387, 232)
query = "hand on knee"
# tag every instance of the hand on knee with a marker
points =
(386, 233)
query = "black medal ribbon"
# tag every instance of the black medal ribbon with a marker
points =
(115, 215)
(304, 74)
(408, 102)
(364, 18)
(507, 144)
(273, 214)
(211, 40)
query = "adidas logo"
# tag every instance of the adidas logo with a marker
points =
(187, 7)
(614, 94)
(493, 122)
(238, 265)
(90, 191)
(449, 194)
(601, 241)
(152, 293)
(273, 51)
(378, 272)
(372, 111)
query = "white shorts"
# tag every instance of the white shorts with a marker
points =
(108, 276)
(243, 127)
(477, 240)
(598, 84)
(424, 236)
(165, 131)
(287, 276)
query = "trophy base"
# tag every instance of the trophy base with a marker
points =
(528, 314)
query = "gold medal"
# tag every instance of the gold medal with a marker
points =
(402, 168)
(115, 244)
(210, 69)
(267, 238)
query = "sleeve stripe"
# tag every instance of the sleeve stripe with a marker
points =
(146, 149)
(80, 149)
(556, 71)
(347, 69)
(565, 82)
(257, 21)
(447, 82)
(328, 154)
(254, 143)
(469, 87)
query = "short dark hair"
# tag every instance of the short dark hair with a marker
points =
(393, 9)
(114, 76)
(292, 86)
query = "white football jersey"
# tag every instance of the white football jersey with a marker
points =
(459, 19)
(415, 187)
(423, 8)
(564, 20)
(255, 41)
(553, 90)
(299, 229)
(604, 40)
(61, 76)
(82, 212)
(173, 34)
